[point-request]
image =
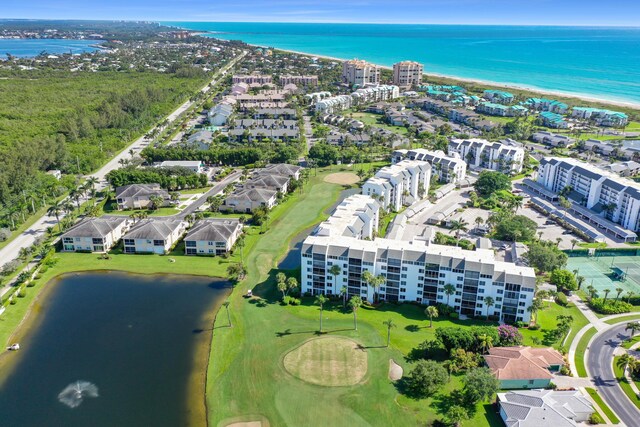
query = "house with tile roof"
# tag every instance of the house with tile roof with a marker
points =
(138, 196)
(94, 234)
(212, 236)
(537, 408)
(153, 235)
(523, 367)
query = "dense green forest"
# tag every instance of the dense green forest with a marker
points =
(75, 122)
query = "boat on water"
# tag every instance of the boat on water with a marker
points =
(14, 347)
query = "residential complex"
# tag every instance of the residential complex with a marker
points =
(399, 184)
(445, 168)
(505, 156)
(334, 104)
(412, 271)
(407, 74)
(499, 96)
(360, 73)
(153, 236)
(544, 104)
(94, 234)
(553, 120)
(600, 116)
(138, 196)
(212, 237)
(523, 367)
(593, 191)
(255, 78)
(553, 139)
(306, 81)
(375, 93)
(537, 408)
(501, 110)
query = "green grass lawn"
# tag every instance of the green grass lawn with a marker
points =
(624, 384)
(623, 319)
(376, 120)
(603, 406)
(109, 209)
(547, 321)
(195, 191)
(580, 350)
(628, 343)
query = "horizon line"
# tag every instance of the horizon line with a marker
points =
(162, 21)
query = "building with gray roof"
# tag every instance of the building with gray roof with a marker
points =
(153, 235)
(94, 234)
(138, 196)
(212, 236)
(537, 408)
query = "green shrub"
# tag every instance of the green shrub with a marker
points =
(562, 299)
(13, 301)
(565, 370)
(31, 284)
(294, 301)
(595, 418)
(534, 327)
(599, 305)
(454, 315)
(22, 293)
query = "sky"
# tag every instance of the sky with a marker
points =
(503, 12)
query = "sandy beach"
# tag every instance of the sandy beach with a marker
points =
(577, 97)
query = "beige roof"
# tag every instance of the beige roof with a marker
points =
(518, 363)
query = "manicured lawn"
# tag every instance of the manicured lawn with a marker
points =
(247, 379)
(624, 384)
(547, 321)
(628, 343)
(376, 120)
(580, 350)
(603, 406)
(167, 211)
(195, 190)
(623, 319)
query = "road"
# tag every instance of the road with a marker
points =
(26, 238)
(218, 188)
(599, 364)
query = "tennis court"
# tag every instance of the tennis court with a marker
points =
(604, 272)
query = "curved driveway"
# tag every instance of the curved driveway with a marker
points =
(599, 364)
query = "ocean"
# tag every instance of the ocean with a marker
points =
(27, 48)
(589, 61)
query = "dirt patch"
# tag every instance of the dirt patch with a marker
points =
(246, 424)
(395, 370)
(245, 421)
(328, 361)
(342, 178)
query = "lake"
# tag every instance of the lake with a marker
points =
(113, 349)
(27, 48)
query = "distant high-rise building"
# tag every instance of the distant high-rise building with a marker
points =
(361, 73)
(407, 73)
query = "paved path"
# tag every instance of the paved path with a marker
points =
(217, 188)
(26, 238)
(599, 365)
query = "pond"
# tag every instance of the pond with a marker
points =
(113, 349)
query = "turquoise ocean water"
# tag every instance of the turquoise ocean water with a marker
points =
(33, 47)
(597, 62)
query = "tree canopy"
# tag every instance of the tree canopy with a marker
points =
(491, 181)
(545, 256)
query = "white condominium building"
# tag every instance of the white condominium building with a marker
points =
(505, 156)
(412, 271)
(407, 74)
(361, 73)
(613, 197)
(447, 168)
(399, 184)
(254, 78)
(299, 80)
(375, 94)
(334, 104)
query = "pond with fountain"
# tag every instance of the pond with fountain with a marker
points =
(113, 349)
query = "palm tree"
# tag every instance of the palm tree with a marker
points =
(281, 280)
(458, 226)
(355, 302)
(618, 292)
(449, 290)
(606, 293)
(389, 324)
(624, 361)
(240, 243)
(592, 291)
(574, 242)
(55, 210)
(633, 327)
(156, 202)
(630, 294)
(226, 305)
(432, 312)
(489, 302)
(343, 292)
(479, 221)
(580, 280)
(335, 271)
(321, 300)
(486, 342)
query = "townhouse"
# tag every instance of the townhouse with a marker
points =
(94, 234)
(506, 156)
(498, 96)
(601, 116)
(246, 200)
(412, 271)
(334, 104)
(212, 237)
(153, 235)
(201, 140)
(306, 81)
(138, 196)
(220, 113)
(553, 120)
(544, 104)
(375, 94)
(595, 193)
(399, 184)
(553, 139)
(446, 168)
(493, 109)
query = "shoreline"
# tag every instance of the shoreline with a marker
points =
(513, 86)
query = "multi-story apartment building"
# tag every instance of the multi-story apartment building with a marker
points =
(499, 96)
(600, 116)
(446, 168)
(544, 104)
(501, 110)
(375, 94)
(412, 271)
(407, 74)
(361, 73)
(399, 184)
(604, 193)
(306, 81)
(255, 78)
(505, 156)
(334, 104)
